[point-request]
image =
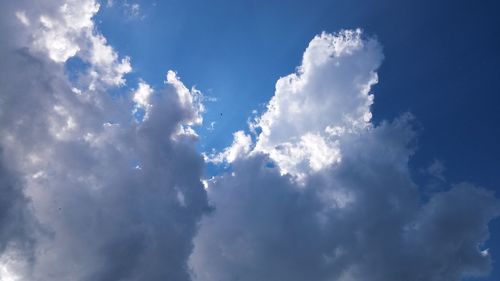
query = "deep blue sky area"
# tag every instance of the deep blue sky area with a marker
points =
(441, 64)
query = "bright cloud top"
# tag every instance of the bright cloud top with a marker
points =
(327, 97)
(62, 30)
(313, 109)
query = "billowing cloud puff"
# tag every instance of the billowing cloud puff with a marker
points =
(61, 30)
(242, 145)
(327, 97)
(325, 194)
(88, 193)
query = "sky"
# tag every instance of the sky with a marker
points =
(249, 140)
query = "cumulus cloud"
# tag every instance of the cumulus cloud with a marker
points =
(141, 97)
(92, 192)
(88, 194)
(325, 194)
(327, 97)
(65, 29)
(240, 147)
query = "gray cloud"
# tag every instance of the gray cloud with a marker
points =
(107, 198)
(15, 218)
(287, 211)
(362, 220)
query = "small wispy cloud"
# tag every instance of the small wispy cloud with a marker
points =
(131, 10)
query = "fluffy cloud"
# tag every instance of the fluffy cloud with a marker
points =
(61, 30)
(240, 147)
(324, 194)
(92, 192)
(87, 193)
(327, 97)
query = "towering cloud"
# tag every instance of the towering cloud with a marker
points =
(88, 192)
(325, 194)
(328, 97)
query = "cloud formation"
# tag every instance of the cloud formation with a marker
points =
(104, 197)
(325, 194)
(61, 30)
(304, 119)
(108, 187)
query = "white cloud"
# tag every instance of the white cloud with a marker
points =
(58, 34)
(329, 94)
(313, 109)
(189, 99)
(21, 16)
(324, 194)
(141, 97)
(64, 29)
(241, 147)
(106, 65)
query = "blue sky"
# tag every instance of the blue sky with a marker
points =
(139, 195)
